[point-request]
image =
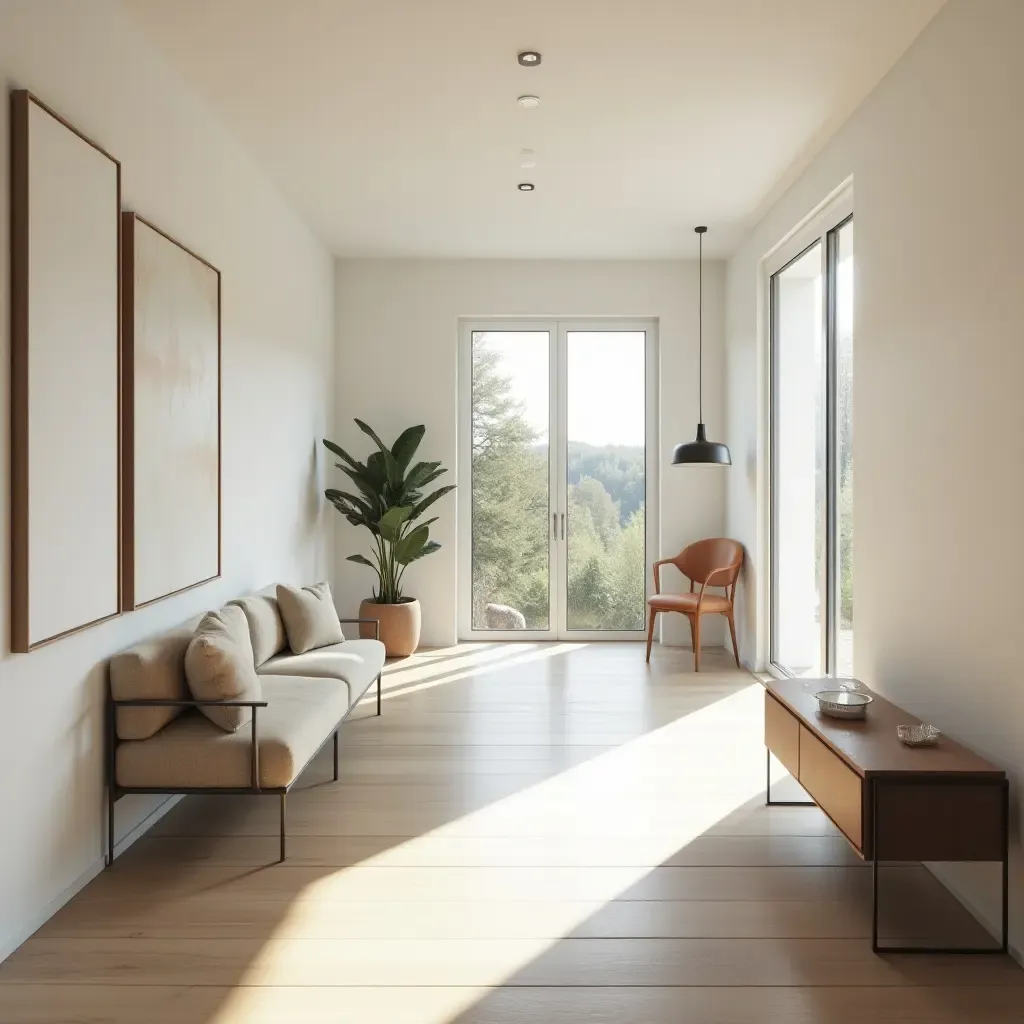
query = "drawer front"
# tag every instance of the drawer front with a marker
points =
(837, 789)
(782, 734)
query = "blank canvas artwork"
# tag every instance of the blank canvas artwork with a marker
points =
(65, 267)
(172, 416)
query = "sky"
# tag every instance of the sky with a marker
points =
(606, 372)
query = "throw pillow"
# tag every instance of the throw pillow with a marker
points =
(219, 666)
(310, 618)
(266, 630)
(151, 670)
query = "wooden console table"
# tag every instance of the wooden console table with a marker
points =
(891, 802)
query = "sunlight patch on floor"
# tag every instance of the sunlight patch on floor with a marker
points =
(657, 793)
(404, 678)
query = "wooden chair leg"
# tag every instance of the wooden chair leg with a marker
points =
(650, 632)
(696, 643)
(732, 631)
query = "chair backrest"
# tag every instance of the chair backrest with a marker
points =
(697, 561)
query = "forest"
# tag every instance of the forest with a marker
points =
(512, 517)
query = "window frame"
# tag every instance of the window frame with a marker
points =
(821, 228)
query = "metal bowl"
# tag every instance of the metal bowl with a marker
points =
(843, 703)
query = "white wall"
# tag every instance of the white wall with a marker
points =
(181, 170)
(935, 153)
(397, 324)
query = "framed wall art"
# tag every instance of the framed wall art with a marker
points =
(171, 358)
(65, 369)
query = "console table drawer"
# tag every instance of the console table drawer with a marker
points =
(782, 734)
(836, 789)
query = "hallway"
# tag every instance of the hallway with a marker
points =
(530, 833)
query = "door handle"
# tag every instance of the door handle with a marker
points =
(563, 526)
(554, 525)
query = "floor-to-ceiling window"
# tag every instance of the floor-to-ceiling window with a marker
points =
(811, 335)
(556, 478)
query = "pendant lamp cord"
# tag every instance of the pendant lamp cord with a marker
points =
(700, 323)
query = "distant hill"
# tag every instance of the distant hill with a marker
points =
(619, 468)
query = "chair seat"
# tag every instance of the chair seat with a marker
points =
(687, 603)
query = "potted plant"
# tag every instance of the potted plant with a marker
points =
(389, 503)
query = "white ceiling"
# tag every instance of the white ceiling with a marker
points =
(392, 125)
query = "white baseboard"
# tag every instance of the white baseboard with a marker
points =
(10, 943)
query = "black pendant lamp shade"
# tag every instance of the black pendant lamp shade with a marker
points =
(701, 451)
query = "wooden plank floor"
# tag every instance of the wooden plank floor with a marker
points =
(531, 833)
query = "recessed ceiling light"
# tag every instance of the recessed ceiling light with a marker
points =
(529, 102)
(526, 186)
(529, 58)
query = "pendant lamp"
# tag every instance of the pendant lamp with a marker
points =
(701, 451)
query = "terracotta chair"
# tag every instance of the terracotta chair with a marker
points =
(711, 563)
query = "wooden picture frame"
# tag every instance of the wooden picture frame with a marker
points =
(170, 415)
(65, 377)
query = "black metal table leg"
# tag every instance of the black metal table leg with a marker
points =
(1006, 866)
(874, 866)
(378, 693)
(1003, 946)
(335, 755)
(768, 788)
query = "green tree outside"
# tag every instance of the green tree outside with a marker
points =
(511, 516)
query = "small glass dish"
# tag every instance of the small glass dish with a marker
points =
(920, 735)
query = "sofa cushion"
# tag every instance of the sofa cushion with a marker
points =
(219, 666)
(152, 670)
(266, 628)
(192, 752)
(310, 618)
(355, 662)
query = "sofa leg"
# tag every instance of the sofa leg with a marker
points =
(378, 692)
(283, 795)
(335, 755)
(110, 825)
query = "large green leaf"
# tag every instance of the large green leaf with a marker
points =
(367, 482)
(358, 519)
(377, 470)
(391, 522)
(367, 429)
(342, 454)
(405, 447)
(428, 549)
(350, 505)
(420, 507)
(420, 474)
(362, 560)
(384, 472)
(367, 508)
(431, 477)
(409, 547)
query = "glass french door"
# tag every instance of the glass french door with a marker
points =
(811, 299)
(557, 479)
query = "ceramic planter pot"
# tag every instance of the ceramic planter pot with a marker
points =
(399, 625)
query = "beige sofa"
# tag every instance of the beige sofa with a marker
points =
(158, 741)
